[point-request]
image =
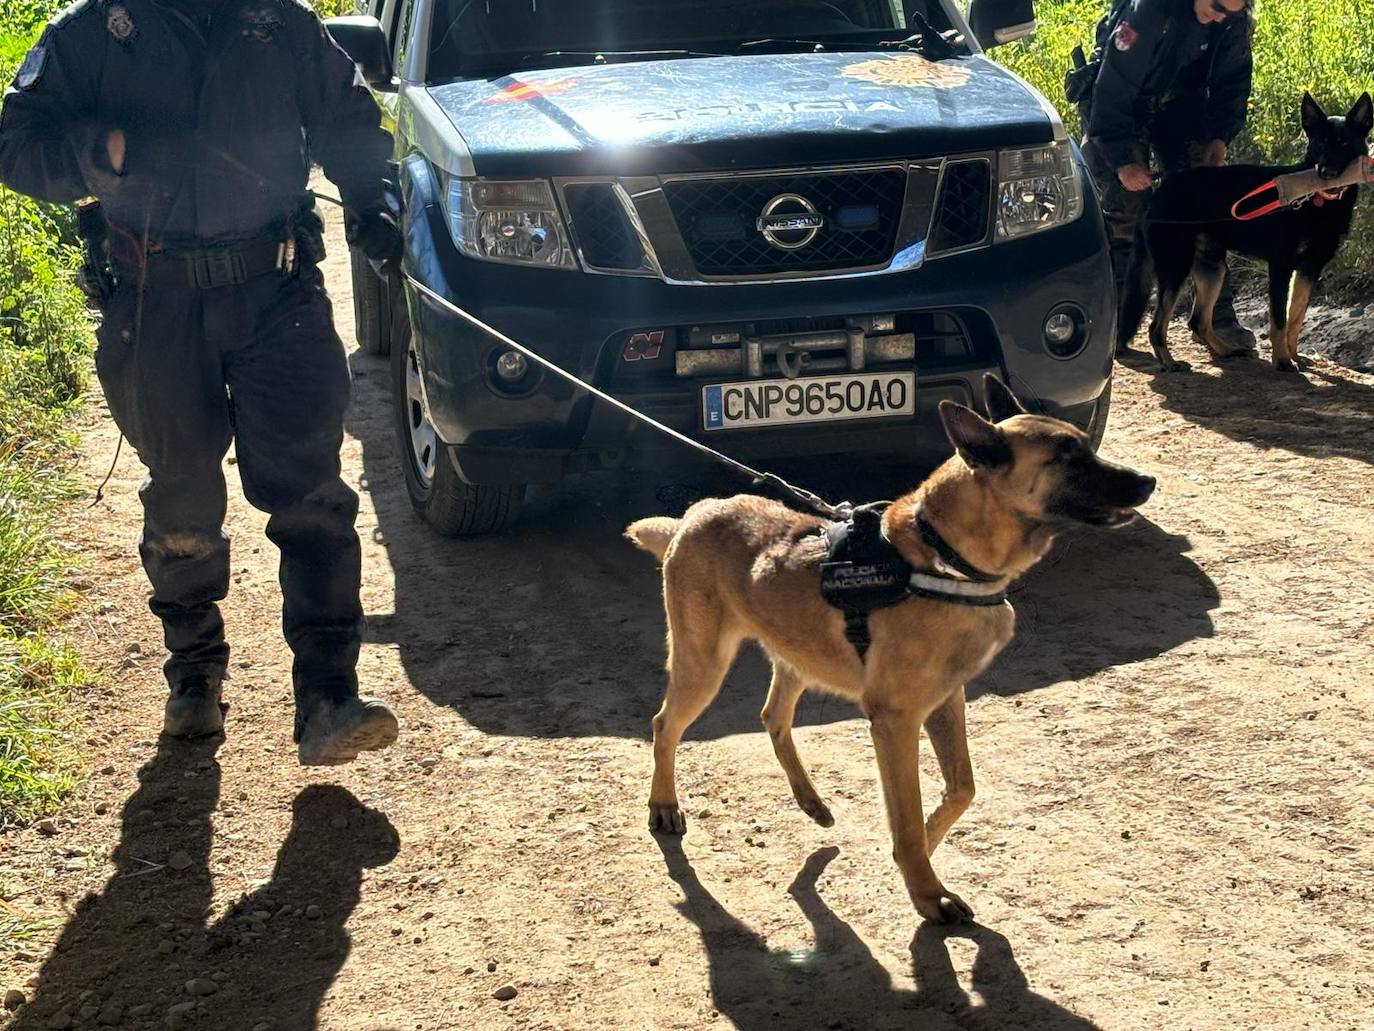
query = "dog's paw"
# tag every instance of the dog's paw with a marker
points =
(1174, 365)
(667, 819)
(944, 908)
(817, 810)
(1284, 365)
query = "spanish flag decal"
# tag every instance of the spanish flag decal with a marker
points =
(529, 90)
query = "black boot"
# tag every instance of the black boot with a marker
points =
(194, 708)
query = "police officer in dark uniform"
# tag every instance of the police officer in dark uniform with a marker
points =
(1173, 78)
(194, 123)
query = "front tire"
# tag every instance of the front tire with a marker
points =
(1099, 426)
(370, 320)
(437, 493)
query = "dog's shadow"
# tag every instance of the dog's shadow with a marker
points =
(1098, 600)
(1317, 412)
(840, 984)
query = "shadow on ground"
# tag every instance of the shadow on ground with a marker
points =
(555, 629)
(839, 984)
(148, 952)
(1312, 413)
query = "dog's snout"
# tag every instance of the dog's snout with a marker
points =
(1146, 486)
(1327, 172)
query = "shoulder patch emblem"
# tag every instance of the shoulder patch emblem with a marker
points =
(259, 22)
(1125, 36)
(120, 24)
(32, 68)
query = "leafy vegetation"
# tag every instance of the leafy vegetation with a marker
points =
(1323, 46)
(44, 356)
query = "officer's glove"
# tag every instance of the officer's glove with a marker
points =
(375, 232)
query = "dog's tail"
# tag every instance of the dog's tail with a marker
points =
(653, 534)
(1135, 291)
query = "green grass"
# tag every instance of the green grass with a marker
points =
(44, 358)
(1324, 46)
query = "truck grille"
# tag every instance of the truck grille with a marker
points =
(600, 226)
(718, 220)
(961, 218)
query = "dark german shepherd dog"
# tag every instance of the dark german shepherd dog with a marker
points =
(1188, 228)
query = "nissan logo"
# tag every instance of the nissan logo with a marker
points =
(789, 222)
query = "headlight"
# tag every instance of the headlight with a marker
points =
(512, 221)
(1038, 188)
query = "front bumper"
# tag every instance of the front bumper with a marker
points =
(579, 320)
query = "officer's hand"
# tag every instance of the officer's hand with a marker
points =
(1135, 177)
(114, 150)
(1214, 153)
(374, 232)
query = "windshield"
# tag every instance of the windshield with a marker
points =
(492, 37)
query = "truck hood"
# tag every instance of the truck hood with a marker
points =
(763, 110)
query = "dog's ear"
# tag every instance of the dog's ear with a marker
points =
(979, 442)
(1001, 402)
(1361, 116)
(1313, 117)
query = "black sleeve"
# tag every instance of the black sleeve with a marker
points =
(1128, 59)
(342, 120)
(48, 136)
(1228, 86)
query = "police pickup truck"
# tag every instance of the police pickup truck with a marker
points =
(783, 227)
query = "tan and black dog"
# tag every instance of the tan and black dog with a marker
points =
(746, 567)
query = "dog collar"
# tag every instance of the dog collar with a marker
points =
(947, 556)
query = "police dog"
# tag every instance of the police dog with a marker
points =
(747, 567)
(1188, 226)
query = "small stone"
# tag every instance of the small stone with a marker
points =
(655, 960)
(339, 822)
(505, 993)
(107, 771)
(264, 1026)
(260, 915)
(141, 1010)
(111, 1013)
(469, 970)
(429, 762)
(133, 648)
(165, 948)
(179, 860)
(219, 976)
(101, 808)
(47, 828)
(60, 1021)
(313, 912)
(87, 1011)
(1125, 835)
(201, 986)
(491, 967)
(14, 998)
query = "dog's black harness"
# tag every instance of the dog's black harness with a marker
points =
(863, 572)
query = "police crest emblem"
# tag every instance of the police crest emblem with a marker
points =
(1125, 36)
(119, 24)
(909, 70)
(260, 22)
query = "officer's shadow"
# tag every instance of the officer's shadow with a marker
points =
(840, 985)
(147, 950)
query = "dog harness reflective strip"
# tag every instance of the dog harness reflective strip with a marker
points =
(863, 572)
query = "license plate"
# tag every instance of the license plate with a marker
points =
(776, 402)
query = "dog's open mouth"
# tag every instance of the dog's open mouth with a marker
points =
(1109, 518)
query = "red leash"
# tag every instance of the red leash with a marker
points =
(1263, 209)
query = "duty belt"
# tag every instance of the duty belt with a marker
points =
(223, 266)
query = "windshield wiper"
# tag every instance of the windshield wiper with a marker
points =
(923, 38)
(579, 57)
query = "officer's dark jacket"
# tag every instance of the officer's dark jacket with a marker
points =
(223, 103)
(1160, 54)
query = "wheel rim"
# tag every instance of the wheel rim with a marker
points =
(424, 442)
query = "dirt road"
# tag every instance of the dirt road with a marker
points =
(1174, 826)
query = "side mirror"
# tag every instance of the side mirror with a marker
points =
(363, 39)
(995, 22)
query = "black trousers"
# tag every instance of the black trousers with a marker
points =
(185, 372)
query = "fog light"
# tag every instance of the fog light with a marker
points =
(1065, 331)
(512, 366)
(1059, 328)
